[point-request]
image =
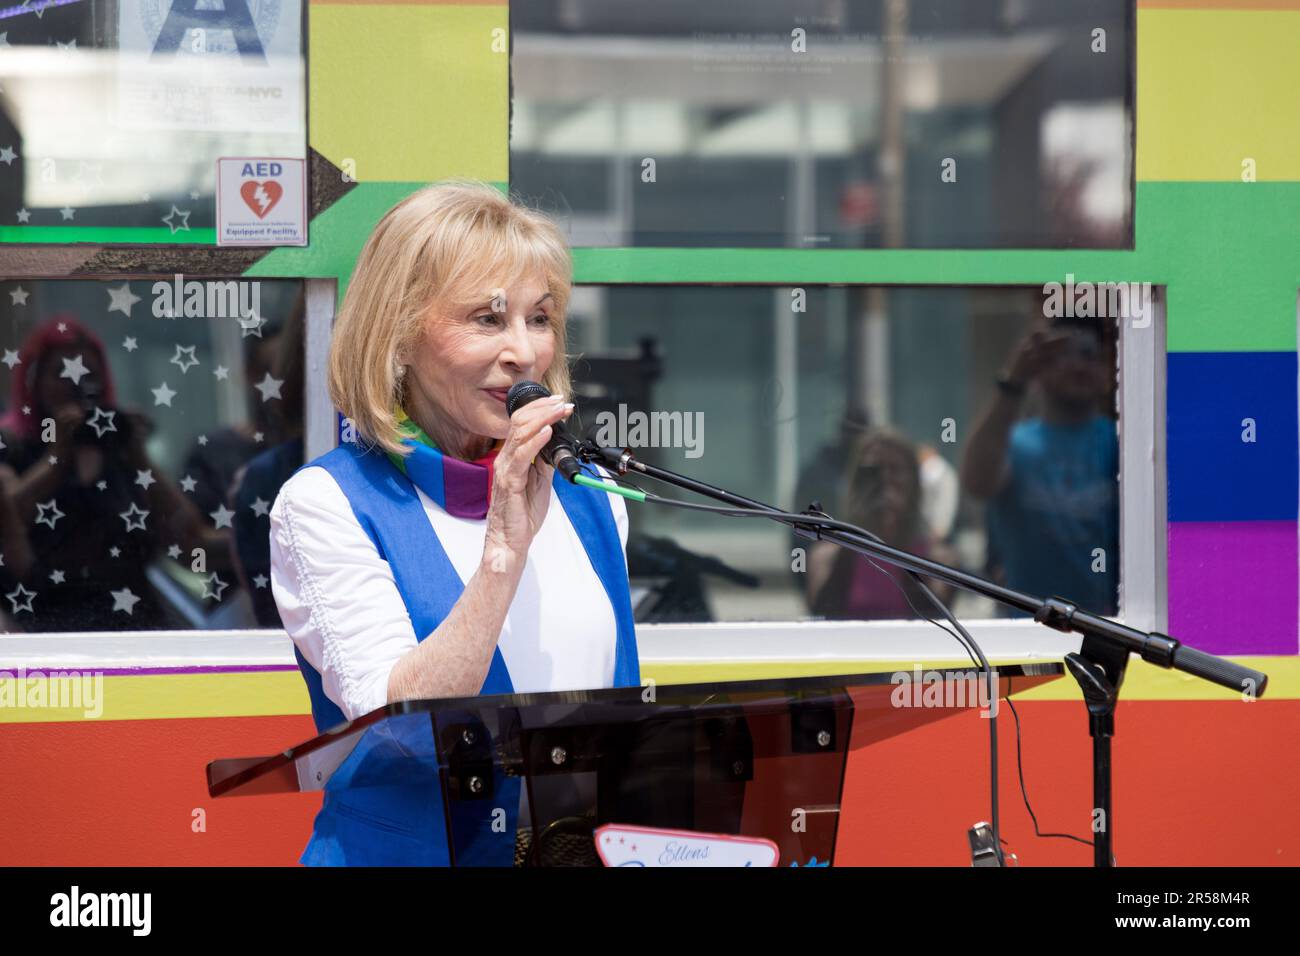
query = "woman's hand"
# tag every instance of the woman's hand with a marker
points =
(521, 484)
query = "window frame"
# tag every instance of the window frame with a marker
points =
(1143, 561)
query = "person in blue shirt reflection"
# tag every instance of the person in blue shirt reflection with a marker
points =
(1050, 479)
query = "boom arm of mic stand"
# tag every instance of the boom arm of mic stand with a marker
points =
(1058, 613)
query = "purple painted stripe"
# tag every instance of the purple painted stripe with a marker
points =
(1233, 586)
(150, 671)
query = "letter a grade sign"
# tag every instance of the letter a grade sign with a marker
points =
(261, 202)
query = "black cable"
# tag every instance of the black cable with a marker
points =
(885, 571)
(1024, 792)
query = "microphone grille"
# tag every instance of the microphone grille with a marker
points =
(521, 393)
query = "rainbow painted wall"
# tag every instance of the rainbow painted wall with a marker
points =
(1216, 85)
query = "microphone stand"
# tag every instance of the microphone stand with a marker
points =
(1098, 666)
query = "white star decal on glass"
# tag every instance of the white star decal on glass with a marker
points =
(134, 517)
(54, 513)
(251, 325)
(174, 551)
(54, 459)
(24, 216)
(202, 439)
(102, 413)
(101, 484)
(67, 212)
(62, 326)
(7, 155)
(56, 576)
(268, 386)
(74, 368)
(222, 516)
(221, 372)
(145, 478)
(260, 506)
(259, 581)
(213, 581)
(114, 551)
(19, 296)
(163, 395)
(188, 483)
(124, 600)
(184, 224)
(176, 359)
(11, 358)
(121, 299)
(129, 343)
(21, 592)
(258, 437)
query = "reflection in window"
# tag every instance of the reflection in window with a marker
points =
(145, 435)
(113, 112)
(798, 123)
(882, 405)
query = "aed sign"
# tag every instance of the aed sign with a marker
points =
(261, 201)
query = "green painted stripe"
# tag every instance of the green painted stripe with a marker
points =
(102, 235)
(338, 234)
(1228, 252)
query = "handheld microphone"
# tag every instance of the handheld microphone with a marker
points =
(561, 450)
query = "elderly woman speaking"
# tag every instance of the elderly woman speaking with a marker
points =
(433, 553)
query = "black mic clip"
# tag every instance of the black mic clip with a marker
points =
(617, 460)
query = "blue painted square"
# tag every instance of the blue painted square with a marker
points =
(1213, 474)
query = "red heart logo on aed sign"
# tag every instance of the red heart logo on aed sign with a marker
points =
(261, 197)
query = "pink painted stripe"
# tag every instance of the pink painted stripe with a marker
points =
(1233, 586)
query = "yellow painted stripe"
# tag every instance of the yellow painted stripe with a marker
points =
(276, 693)
(1143, 681)
(410, 92)
(154, 696)
(1214, 88)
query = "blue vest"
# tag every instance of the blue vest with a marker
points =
(384, 803)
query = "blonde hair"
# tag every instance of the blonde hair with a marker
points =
(452, 243)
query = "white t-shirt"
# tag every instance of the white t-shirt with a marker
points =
(340, 605)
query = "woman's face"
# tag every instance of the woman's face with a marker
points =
(470, 356)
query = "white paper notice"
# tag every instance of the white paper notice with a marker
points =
(620, 845)
(207, 65)
(261, 201)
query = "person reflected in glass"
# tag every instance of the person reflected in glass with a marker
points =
(1050, 478)
(97, 511)
(883, 495)
(258, 480)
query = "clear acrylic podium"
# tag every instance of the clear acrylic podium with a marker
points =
(525, 779)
